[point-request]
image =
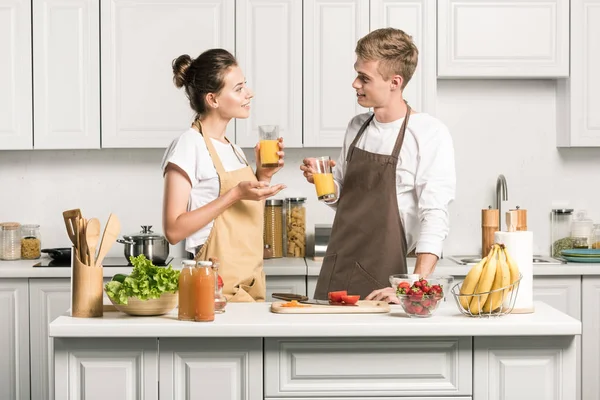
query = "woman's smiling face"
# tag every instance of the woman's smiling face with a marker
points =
(233, 101)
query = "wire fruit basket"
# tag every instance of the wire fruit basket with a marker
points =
(476, 301)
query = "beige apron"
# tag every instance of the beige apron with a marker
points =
(367, 242)
(236, 238)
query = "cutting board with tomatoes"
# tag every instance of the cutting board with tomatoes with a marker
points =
(361, 307)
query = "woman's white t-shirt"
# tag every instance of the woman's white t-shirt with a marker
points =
(189, 152)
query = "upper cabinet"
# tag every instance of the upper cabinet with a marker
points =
(141, 107)
(417, 18)
(578, 98)
(66, 74)
(503, 39)
(269, 50)
(331, 30)
(15, 75)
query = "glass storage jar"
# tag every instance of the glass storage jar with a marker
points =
(187, 290)
(295, 227)
(273, 228)
(581, 231)
(596, 237)
(561, 230)
(220, 299)
(11, 240)
(31, 242)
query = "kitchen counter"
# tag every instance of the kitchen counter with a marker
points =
(26, 269)
(252, 353)
(255, 320)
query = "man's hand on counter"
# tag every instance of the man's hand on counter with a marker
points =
(386, 294)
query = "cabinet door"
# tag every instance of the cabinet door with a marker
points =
(578, 98)
(269, 50)
(15, 75)
(560, 292)
(115, 368)
(285, 284)
(205, 368)
(417, 18)
(331, 30)
(66, 49)
(48, 299)
(590, 365)
(141, 107)
(510, 38)
(14, 338)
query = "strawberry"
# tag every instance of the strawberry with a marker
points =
(417, 308)
(220, 282)
(424, 311)
(417, 284)
(426, 302)
(416, 296)
(426, 289)
(403, 285)
(424, 282)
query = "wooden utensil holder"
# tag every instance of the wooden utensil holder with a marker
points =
(86, 289)
(490, 224)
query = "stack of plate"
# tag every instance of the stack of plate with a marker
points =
(582, 255)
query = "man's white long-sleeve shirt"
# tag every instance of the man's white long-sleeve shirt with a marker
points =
(425, 175)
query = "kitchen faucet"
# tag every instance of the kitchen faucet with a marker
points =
(501, 188)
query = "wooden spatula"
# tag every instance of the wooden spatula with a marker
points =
(92, 235)
(70, 217)
(110, 235)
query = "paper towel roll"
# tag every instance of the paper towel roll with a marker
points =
(520, 247)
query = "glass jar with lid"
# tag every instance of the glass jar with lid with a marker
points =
(581, 230)
(11, 240)
(186, 290)
(273, 228)
(596, 237)
(220, 299)
(295, 227)
(561, 230)
(31, 242)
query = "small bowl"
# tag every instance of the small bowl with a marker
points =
(164, 304)
(422, 306)
(443, 280)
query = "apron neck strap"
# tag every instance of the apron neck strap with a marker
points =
(211, 148)
(357, 138)
(400, 138)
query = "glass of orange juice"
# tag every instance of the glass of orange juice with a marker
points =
(269, 145)
(323, 178)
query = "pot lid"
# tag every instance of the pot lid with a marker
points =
(145, 233)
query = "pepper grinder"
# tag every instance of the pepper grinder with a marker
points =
(490, 224)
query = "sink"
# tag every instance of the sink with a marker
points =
(537, 260)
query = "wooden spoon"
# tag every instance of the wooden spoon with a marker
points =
(110, 235)
(92, 235)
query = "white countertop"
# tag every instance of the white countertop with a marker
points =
(255, 320)
(26, 269)
(449, 267)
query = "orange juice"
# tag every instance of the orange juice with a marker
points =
(324, 185)
(187, 301)
(268, 153)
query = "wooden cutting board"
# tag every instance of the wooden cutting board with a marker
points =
(362, 307)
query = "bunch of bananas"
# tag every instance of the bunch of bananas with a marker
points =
(496, 271)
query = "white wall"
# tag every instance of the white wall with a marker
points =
(498, 127)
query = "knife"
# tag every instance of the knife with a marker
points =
(305, 300)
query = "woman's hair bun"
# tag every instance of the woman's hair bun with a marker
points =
(180, 67)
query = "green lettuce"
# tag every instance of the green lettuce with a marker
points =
(146, 281)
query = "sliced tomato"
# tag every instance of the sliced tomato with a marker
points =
(336, 297)
(351, 298)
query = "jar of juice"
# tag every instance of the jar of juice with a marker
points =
(204, 279)
(187, 300)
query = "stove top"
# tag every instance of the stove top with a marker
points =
(108, 263)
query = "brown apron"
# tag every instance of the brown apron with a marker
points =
(367, 242)
(236, 238)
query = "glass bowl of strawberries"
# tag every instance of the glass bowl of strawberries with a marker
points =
(422, 297)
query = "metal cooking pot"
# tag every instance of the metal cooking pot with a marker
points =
(154, 246)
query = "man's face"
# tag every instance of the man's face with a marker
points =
(372, 90)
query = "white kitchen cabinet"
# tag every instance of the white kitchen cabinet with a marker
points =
(285, 284)
(14, 339)
(66, 74)
(141, 107)
(15, 75)
(560, 292)
(201, 368)
(503, 39)
(48, 299)
(331, 30)
(524, 368)
(418, 19)
(97, 369)
(269, 49)
(344, 367)
(578, 98)
(590, 361)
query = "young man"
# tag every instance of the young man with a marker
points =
(394, 178)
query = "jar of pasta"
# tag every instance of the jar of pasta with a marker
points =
(11, 241)
(273, 229)
(295, 227)
(31, 242)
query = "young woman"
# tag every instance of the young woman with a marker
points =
(212, 197)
